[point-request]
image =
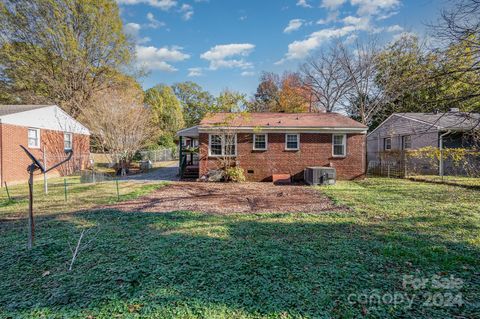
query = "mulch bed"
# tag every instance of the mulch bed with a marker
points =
(226, 198)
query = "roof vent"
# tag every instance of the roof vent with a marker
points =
(454, 110)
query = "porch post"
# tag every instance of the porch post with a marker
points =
(180, 154)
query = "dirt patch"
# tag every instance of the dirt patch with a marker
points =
(225, 198)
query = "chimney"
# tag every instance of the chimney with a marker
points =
(454, 110)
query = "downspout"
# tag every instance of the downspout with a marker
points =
(441, 152)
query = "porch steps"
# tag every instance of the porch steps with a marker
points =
(191, 172)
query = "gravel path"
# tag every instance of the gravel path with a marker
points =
(225, 198)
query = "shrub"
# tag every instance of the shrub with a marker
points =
(235, 174)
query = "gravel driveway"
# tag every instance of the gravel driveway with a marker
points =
(166, 173)
(225, 198)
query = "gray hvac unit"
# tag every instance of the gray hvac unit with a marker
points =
(320, 175)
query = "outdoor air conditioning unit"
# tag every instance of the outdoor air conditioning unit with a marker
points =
(320, 175)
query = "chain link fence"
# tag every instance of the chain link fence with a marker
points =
(159, 155)
(452, 166)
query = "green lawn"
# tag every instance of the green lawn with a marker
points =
(79, 196)
(192, 265)
(473, 182)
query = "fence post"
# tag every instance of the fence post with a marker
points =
(8, 193)
(388, 170)
(65, 187)
(118, 191)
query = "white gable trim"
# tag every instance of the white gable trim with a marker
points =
(47, 118)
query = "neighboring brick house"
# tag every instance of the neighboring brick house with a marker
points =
(39, 128)
(281, 143)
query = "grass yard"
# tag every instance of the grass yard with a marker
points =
(473, 182)
(79, 196)
(276, 265)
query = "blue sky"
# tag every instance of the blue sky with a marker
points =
(228, 43)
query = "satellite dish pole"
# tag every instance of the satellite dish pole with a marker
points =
(31, 169)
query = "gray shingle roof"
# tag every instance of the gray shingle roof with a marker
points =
(449, 120)
(12, 109)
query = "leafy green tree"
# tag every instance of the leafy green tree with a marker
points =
(60, 51)
(415, 79)
(166, 112)
(230, 101)
(195, 102)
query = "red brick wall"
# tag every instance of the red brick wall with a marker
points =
(315, 150)
(14, 161)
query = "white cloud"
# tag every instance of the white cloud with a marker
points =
(331, 17)
(229, 56)
(154, 23)
(194, 72)
(303, 3)
(157, 58)
(187, 11)
(372, 7)
(293, 25)
(394, 28)
(399, 36)
(301, 49)
(133, 30)
(332, 4)
(360, 23)
(162, 4)
(247, 73)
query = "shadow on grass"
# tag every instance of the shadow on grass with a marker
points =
(184, 264)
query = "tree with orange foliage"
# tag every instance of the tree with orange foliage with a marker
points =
(286, 93)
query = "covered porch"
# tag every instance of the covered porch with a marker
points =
(188, 152)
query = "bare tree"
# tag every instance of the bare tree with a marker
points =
(365, 95)
(120, 123)
(327, 80)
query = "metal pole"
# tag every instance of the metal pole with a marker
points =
(118, 191)
(65, 187)
(31, 224)
(8, 193)
(45, 178)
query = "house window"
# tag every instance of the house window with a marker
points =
(260, 141)
(292, 141)
(406, 142)
(387, 143)
(67, 141)
(339, 144)
(34, 138)
(222, 145)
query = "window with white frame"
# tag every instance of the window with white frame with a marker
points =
(67, 141)
(339, 145)
(387, 143)
(292, 141)
(222, 145)
(34, 138)
(406, 142)
(260, 141)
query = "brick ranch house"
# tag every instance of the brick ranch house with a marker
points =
(39, 128)
(278, 143)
